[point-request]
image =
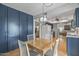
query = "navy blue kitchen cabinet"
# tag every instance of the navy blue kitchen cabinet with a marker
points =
(77, 16)
(23, 26)
(72, 46)
(13, 28)
(30, 24)
(14, 25)
(3, 28)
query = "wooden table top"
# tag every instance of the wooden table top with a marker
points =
(42, 45)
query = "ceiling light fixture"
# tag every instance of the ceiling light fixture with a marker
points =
(44, 12)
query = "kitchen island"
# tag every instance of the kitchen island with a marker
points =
(72, 44)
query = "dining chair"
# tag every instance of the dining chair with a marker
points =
(55, 51)
(24, 50)
(30, 37)
(50, 51)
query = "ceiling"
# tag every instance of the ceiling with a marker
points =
(55, 10)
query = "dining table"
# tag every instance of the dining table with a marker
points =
(41, 45)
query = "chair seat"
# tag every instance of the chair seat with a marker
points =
(2, 54)
(33, 53)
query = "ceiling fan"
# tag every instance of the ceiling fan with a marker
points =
(57, 19)
(63, 20)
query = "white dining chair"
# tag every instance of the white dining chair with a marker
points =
(49, 52)
(24, 51)
(30, 37)
(55, 52)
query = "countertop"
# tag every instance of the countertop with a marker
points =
(72, 34)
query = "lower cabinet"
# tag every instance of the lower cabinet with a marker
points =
(72, 46)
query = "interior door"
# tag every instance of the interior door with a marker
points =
(3, 28)
(23, 26)
(13, 28)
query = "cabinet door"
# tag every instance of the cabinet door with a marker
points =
(30, 24)
(13, 28)
(3, 28)
(23, 26)
(72, 46)
(77, 16)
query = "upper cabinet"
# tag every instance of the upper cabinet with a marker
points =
(77, 17)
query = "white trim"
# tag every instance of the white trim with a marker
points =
(34, 28)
